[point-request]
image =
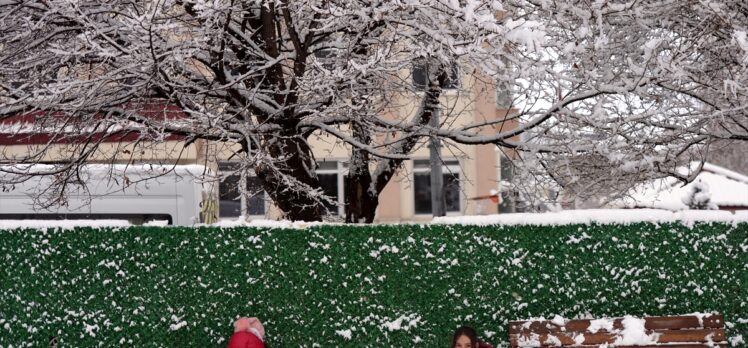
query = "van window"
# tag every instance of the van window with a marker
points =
(135, 219)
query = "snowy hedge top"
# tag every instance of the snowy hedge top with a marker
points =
(569, 217)
(599, 216)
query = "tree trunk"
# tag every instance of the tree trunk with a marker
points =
(296, 199)
(360, 202)
(361, 199)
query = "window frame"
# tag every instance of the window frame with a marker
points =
(449, 166)
(326, 58)
(421, 88)
(341, 170)
(504, 96)
(243, 198)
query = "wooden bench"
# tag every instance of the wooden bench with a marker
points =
(686, 331)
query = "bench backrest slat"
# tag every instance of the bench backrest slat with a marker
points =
(685, 330)
(681, 345)
(651, 323)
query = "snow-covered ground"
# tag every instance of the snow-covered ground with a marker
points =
(268, 223)
(567, 217)
(723, 187)
(599, 216)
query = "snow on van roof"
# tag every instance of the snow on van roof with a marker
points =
(64, 224)
(195, 169)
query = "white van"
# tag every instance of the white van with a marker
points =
(113, 192)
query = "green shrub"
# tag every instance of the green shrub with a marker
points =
(391, 285)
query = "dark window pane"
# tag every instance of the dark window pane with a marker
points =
(420, 76)
(326, 57)
(453, 78)
(342, 194)
(519, 205)
(229, 203)
(507, 203)
(256, 201)
(507, 169)
(422, 192)
(507, 197)
(329, 183)
(452, 191)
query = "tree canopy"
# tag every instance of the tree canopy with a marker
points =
(607, 93)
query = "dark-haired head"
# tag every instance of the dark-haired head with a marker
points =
(464, 337)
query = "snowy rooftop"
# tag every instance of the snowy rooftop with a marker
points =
(726, 188)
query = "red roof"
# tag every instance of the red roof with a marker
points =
(12, 132)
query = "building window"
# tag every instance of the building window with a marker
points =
(503, 96)
(422, 186)
(421, 75)
(331, 176)
(327, 58)
(507, 202)
(231, 199)
(508, 194)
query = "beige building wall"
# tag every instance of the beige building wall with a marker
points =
(479, 164)
(474, 102)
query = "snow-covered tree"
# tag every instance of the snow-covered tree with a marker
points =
(609, 93)
(699, 196)
(266, 75)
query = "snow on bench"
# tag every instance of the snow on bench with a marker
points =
(686, 331)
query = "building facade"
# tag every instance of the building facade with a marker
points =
(471, 172)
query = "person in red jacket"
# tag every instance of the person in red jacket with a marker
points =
(248, 333)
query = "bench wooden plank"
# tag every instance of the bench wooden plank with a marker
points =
(665, 336)
(651, 323)
(678, 345)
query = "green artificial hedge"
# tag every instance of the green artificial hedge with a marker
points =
(357, 286)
